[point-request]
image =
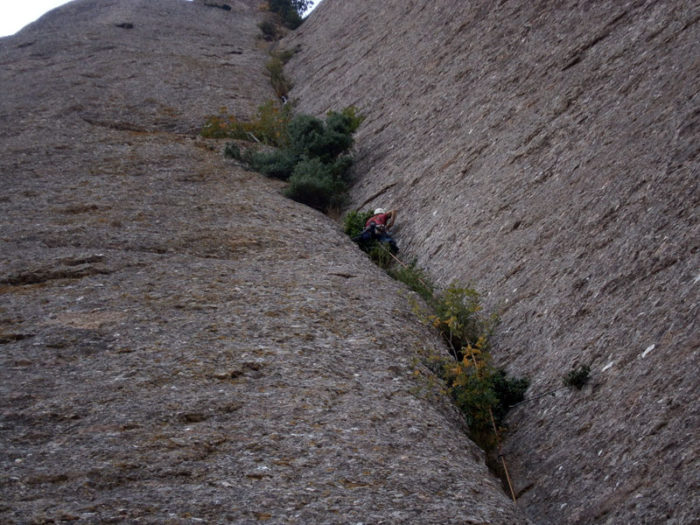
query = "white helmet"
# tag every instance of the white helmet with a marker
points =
(379, 211)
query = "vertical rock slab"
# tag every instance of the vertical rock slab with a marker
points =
(548, 154)
(178, 342)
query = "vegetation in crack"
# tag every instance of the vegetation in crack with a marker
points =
(283, 14)
(314, 156)
(311, 153)
(483, 392)
(268, 127)
(275, 69)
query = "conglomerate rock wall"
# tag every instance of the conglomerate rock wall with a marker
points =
(178, 342)
(547, 153)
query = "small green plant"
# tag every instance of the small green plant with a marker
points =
(270, 30)
(311, 137)
(509, 390)
(459, 317)
(354, 222)
(469, 382)
(312, 183)
(483, 392)
(577, 376)
(380, 254)
(233, 151)
(280, 83)
(277, 163)
(352, 118)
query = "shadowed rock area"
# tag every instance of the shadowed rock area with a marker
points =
(178, 342)
(548, 154)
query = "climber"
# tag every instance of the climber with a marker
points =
(377, 227)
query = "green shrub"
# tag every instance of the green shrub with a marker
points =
(479, 389)
(311, 137)
(313, 183)
(270, 30)
(304, 132)
(313, 159)
(353, 118)
(471, 388)
(311, 154)
(578, 376)
(233, 151)
(482, 392)
(340, 167)
(459, 317)
(380, 254)
(339, 123)
(354, 222)
(279, 163)
(290, 11)
(509, 392)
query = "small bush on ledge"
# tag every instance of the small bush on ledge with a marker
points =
(280, 83)
(314, 184)
(312, 154)
(577, 376)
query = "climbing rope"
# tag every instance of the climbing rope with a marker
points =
(403, 264)
(497, 434)
(548, 393)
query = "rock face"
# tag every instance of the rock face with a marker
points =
(548, 154)
(178, 342)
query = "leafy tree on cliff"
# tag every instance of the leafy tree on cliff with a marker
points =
(290, 11)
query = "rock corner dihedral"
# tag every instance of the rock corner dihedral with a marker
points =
(179, 341)
(547, 154)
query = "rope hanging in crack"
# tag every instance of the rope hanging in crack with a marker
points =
(497, 435)
(402, 264)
